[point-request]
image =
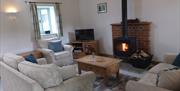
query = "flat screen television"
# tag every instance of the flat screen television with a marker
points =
(84, 34)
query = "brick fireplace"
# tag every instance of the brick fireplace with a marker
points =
(138, 38)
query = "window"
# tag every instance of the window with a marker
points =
(47, 20)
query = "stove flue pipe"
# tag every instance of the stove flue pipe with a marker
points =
(124, 19)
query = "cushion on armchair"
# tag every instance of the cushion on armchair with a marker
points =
(56, 45)
(177, 60)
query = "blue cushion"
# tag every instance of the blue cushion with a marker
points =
(177, 60)
(56, 46)
(31, 58)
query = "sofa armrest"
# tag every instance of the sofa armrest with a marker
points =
(68, 48)
(15, 81)
(48, 54)
(136, 86)
(41, 61)
(88, 76)
(84, 82)
(169, 57)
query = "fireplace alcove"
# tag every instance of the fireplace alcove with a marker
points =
(138, 33)
(123, 48)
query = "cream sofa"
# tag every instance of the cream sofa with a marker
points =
(148, 82)
(14, 80)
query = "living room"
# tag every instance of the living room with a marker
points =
(16, 30)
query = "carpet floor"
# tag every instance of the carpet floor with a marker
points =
(113, 84)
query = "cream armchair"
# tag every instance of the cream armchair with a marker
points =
(59, 58)
(148, 82)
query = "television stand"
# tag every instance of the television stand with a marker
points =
(84, 47)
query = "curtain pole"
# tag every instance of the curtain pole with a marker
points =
(45, 2)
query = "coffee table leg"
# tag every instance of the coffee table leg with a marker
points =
(117, 75)
(106, 79)
(79, 70)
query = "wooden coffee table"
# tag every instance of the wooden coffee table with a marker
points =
(103, 66)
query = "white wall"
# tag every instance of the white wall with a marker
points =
(179, 22)
(164, 15)
(165, 18)
(70, 17)
(0, 27)
(102, 22)
(16, 34)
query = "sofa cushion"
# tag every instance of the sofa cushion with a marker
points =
(41, 61)
(12, 60)
(159, 67)
(30, 58)
(169, 79)
(56, 45)
(83, 82)
(68, 71)
(177, 60)
(46, 75)
(149, 79)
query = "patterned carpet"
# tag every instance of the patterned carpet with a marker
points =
(127, 72)
(113, 84)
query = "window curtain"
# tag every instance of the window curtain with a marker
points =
(59, 19)
(34, 13)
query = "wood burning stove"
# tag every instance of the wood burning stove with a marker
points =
(134, 48)
(124, 46)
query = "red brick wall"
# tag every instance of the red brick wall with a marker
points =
(139, 30)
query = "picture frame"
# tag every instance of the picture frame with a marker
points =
(102, 8)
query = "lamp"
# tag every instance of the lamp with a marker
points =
(11, 11)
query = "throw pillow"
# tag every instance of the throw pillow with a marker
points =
(68, 71)
(177, 60)
(46, 75)
(30, 58)
(56, 46)
(169, 79)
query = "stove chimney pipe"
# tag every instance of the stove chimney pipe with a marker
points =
(124, 19)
